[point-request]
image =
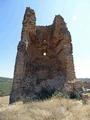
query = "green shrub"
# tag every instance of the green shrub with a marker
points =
(75, 95)
(60, 94)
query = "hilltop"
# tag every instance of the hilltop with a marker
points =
(55, 108)
(51, 109)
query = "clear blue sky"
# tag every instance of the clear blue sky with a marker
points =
(76, 14)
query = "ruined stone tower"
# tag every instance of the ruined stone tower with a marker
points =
(44, 61)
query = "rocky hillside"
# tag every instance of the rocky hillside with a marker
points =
(84, 79)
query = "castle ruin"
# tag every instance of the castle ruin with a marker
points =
(44, 61)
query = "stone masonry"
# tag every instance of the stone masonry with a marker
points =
(44, 61)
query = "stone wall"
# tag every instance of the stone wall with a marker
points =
(44, 61)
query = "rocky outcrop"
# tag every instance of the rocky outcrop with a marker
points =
(44, 61)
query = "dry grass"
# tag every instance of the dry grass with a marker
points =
(53, 109)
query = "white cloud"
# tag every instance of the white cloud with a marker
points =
(82, 68)
(74, 18)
